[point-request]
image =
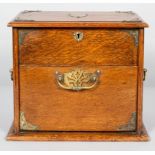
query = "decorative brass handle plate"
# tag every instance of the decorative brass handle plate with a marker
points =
(77, 79)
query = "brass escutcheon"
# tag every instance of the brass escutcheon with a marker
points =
(78, 36)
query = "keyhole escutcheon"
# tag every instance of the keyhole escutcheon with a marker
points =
(78, 36)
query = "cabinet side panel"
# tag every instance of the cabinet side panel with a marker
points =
(140, 79)
(16, 79)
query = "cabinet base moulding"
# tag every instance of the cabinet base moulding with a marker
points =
(77, 136)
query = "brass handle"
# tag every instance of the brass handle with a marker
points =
(77, 80)
(77, 15)
(11, 73)
(144, 75)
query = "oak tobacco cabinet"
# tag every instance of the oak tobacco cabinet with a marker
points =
(78, 76)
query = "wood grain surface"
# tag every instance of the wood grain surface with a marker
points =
(77, 19)
(140, 81)
(79, 136)
(59, 47)
(107, 107)
(16, 79)
(111, 16)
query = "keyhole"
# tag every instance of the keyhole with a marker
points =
(78, 36)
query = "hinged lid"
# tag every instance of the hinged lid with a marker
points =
(77, 19)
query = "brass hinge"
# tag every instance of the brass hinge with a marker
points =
(144, 74)
(11, 73)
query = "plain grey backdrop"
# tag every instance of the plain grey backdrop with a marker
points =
(9, 11)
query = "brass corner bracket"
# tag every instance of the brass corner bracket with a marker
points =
(131, 125)
(24, 125)
(135, 35)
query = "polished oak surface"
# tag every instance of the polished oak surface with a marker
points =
(106, 107)
(77, 19)
(59, 47)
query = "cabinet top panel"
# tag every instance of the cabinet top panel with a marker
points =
(77, 19)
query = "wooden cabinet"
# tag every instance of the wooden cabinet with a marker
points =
(78, 76)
